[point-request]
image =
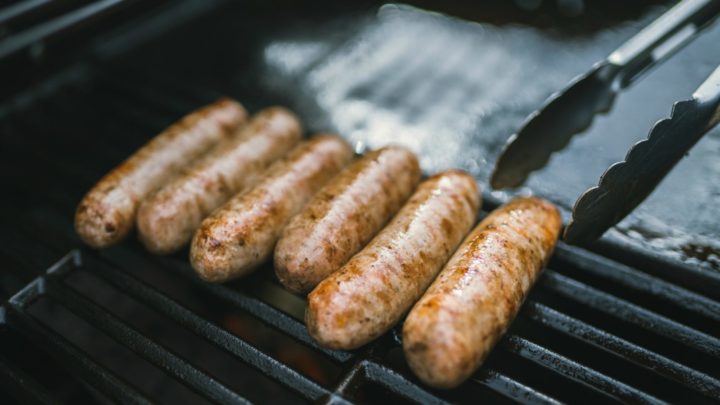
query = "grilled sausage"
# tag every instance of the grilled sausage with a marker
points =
(344, 216)
(168, 219)
(378, 285)
(466, 310)
(241, 234)
(107, 212)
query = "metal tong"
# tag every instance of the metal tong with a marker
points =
(626, 184)
(570, 111)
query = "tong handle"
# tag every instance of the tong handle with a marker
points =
(663, 37)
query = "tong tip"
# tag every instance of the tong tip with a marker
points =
(550, 129)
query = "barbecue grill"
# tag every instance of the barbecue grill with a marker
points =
(609, 322)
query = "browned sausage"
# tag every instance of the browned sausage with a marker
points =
(344, 216)
(241, 234)
(107, 212)
(167, 220)
(368, 295)
(466, 310)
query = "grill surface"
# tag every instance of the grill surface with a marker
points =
(593, 328)
(132, 327)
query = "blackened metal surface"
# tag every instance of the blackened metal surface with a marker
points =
(454, 91)
(403, 75)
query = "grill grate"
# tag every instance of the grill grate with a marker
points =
(593, 328)
(364, 367)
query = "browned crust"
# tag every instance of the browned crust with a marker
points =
(107, 212)
(241, 234)
(344, 216)
(168, 219)
(451, 330)
(368, 295)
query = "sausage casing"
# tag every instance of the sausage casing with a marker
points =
(167, 220)
(107, 212)
(466, 310)
(344, 216)
(370, 293)
(241, 234)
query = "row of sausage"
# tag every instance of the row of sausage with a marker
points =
(364, 235)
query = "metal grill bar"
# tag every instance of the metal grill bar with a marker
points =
(16, 10)
(40, 32)
(395, 382)
(78, 362)
(261, 310)
(707, 282)
(600, 266)
(146, 348)
(631, 313)
(514, 389)
(501, 383)
(623, 349)
(368, 370)
(350, 378)
(239, 348)
(574, 371)
(67, 353)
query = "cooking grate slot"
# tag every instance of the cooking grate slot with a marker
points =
(646, 337)
(630, 313)
(639, 287)
(622, 349)
(210, 332)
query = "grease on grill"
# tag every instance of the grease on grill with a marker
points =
(456, 95)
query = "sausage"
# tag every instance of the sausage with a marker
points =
(466, 310)
(372, 291)
(168, 219)
(344, 216)
(241, 234)
(107, 212)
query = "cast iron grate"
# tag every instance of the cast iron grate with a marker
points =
(364, 367)
(593, 328)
